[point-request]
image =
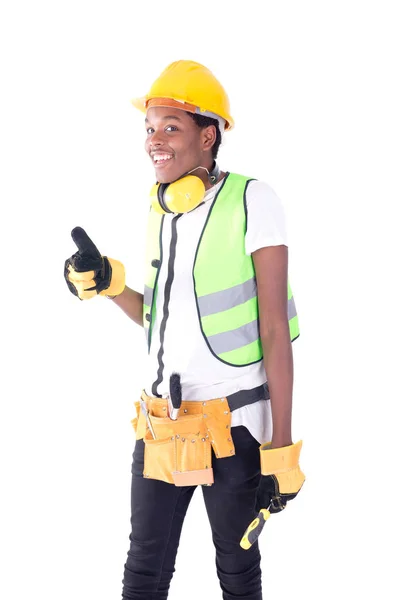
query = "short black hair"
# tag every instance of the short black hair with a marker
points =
(202, 122)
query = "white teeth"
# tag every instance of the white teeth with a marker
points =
(161, 157)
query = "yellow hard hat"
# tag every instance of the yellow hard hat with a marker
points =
(189, 86)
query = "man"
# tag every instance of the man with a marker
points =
(219, 318)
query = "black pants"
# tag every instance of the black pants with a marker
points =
(158, 511)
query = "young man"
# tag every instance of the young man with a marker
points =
(219, 318)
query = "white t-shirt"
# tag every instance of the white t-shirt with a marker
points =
(184, 349)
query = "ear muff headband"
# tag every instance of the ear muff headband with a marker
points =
(161, 189)
(214, 174)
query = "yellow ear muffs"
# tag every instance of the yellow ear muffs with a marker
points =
(179, 196)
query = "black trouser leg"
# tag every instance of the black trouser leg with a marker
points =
(158, 511)
(230, 506)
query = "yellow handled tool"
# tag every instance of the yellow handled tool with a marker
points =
(254, 529)
(281, 481)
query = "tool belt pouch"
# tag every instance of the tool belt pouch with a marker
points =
(139, 422)
(135, 420)
(181, 452)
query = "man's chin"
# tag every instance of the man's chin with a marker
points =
(167, 178)
(163, 179)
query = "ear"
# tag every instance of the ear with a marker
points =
(209, 135)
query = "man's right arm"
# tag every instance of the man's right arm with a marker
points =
(89, 274)
(131, 303)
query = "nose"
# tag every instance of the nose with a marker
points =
(157, 139)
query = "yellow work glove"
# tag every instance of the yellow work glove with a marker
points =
(281, 480)
(88, 273)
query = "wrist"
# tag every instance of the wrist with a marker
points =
(117, 279)
(281, 442)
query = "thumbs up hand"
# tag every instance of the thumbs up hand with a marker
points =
(88, 273)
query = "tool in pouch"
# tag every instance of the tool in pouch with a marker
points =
(189, 475)
(175, 396)
(146, 413)
(179, 450)
(174, 405)
(174, 402)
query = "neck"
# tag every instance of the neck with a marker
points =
(203, 172)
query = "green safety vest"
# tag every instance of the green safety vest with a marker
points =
(224, 279)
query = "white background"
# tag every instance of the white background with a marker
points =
(314, 88)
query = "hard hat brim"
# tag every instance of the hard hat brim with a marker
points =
(144, 103)
(140, 103)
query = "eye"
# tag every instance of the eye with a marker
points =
(149, 130)
(171, 128)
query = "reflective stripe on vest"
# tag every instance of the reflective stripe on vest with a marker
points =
(224, 279)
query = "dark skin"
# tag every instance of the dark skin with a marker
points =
(173, 133)
(180, 145)
(271, 266)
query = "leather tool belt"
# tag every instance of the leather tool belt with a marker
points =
(179, 452)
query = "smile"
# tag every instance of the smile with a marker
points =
(160, 158)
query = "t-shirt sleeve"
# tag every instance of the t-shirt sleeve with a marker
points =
(266, 219)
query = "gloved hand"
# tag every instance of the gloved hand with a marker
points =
(281, 480)
(88, 273)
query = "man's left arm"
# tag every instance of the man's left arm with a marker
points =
(281, 476)
(271, 266)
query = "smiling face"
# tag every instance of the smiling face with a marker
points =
(176, 144)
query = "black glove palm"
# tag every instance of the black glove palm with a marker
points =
(269, 496)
